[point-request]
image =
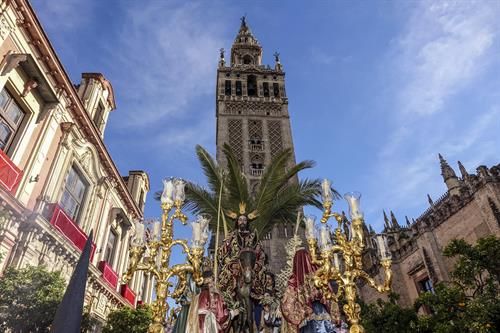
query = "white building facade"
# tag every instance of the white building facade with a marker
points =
(57, 179)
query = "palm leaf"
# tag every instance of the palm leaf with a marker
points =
(272, 178)
(287, 203)
(236, 183)
(210, 168)
(201, 201)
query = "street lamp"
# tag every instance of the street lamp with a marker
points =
(153, 255)
(347, 248)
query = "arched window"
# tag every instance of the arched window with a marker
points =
(252, 85)
(247, 59)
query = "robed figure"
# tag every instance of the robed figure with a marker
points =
(185, 301)
(208, 312)
(304, 306)
(242, 277)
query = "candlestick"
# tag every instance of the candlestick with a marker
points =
(342, 262)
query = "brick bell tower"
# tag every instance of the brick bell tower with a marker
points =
(252, 117)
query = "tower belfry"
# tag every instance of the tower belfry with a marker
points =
(252, 115)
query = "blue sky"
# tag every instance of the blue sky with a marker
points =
(376, 88)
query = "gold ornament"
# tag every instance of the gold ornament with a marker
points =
(242, 211)
(158, 260)
(348, 244)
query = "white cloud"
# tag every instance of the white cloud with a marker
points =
(443, 54)
(168, 55)
(64, 14)
(444, 47)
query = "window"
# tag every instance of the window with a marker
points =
(98, 115)
(276, 89)
(266, 89)
(247, 59)
(425, 285)
(238, 88)
(252, 85)
(11, 117)
(109, 252)
(227, 88)
(74, 193)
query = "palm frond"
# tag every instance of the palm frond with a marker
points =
(272, 178)
(201, 201)
(236, 183)
(287, 202)
(210, 168)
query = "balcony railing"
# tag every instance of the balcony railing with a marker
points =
(256, 172)
(108, 274)
(10, 174)
(62, 222)
(256, 147)
(128, 294)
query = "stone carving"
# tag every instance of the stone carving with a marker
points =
(253, 108)
(235, 127)
(275, 137)
(5, 28)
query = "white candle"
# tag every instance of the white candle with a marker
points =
(327, 192)
(179, 190)
(352, 199)
(382, 246)
(196, 233)
(204, 221)
(156, 229)
(168, 190)
(139, 233)
(309, 221)
(324, 236)
(336, 261)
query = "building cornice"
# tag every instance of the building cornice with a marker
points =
(28, 20)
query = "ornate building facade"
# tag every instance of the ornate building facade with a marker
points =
(469, 209)
(252, 117)
(57, 179)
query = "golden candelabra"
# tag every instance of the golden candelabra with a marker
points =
(348, 241)
(153, 256)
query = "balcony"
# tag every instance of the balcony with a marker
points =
(128, 294)
(256, 172)
(108, 274)
(256, 146)
(62, 222)
(10, 174)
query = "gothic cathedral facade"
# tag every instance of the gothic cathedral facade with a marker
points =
(252, 117)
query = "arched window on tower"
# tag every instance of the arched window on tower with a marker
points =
(256, 164)
(247, 59)
(276, 89)
(266, 89)
(252, 85)
(238, 88)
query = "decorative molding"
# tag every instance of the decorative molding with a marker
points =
(5, 28)
(12, 60)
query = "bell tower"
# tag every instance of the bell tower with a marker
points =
(252, 117)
